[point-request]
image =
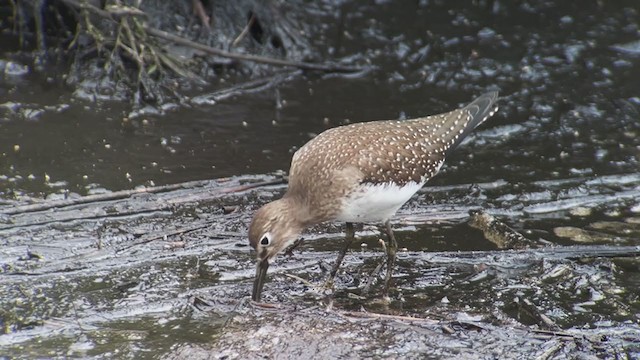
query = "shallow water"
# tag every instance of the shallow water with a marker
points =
(168, 274)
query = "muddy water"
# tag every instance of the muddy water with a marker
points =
(167, 274)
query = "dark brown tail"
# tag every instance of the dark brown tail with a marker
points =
(480, 109)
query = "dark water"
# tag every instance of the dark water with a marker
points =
(559, 162)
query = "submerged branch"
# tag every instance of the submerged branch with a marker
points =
(124, 194)
(575, 252)
(498, 232)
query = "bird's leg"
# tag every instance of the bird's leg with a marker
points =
(289, 251)
(392, 248)
(373, 275)
(350, 236)
(389, 261)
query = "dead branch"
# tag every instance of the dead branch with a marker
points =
(248, 57)
(528, 307)
(498, 232)
(209, 50)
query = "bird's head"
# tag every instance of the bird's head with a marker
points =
(274, 228)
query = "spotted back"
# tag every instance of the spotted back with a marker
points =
(399, 151)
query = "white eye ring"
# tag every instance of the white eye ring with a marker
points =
(266, 239)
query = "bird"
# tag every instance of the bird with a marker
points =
(362, 172)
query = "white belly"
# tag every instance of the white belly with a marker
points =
(376, 202)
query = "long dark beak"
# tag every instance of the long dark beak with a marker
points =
(261, 276)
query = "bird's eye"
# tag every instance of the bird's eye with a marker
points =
(266, 239)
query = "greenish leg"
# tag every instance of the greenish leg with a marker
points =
(392, 248)
(350, 236)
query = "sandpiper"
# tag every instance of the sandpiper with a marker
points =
(361, 172)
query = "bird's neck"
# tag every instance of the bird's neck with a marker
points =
(297, 210)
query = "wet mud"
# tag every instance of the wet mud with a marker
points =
(115, 242)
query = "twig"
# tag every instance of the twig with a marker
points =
(21, 209)
(529, 307)
(83, 5)
(269, 306)
(468, 325)
(161, 235)
(198, 9)
(368, 315)
(552, 350)
(248, 57)
(245, 31)
(306, 282)
(372, 276)
(242, 188)
(33, 273)
(553, 333)
(245, 88)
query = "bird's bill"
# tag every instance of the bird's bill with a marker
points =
(261, 276)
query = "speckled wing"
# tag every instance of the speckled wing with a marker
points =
(377, 152)
(414, 150)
